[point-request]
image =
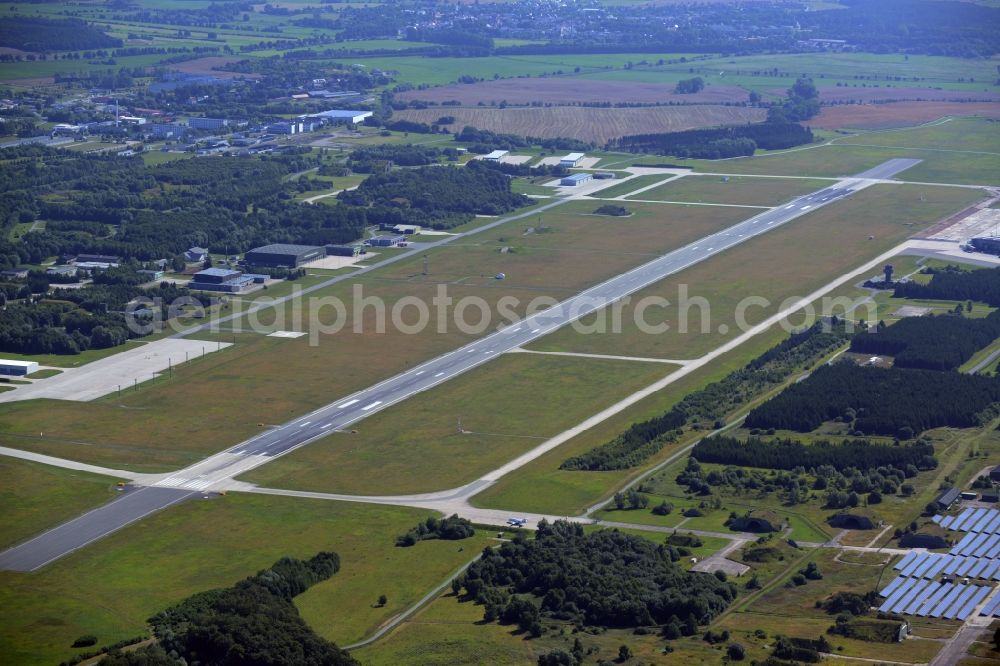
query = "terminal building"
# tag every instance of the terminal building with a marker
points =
(576, 179)
(281, 255)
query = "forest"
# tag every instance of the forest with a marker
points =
(703, 409)
(941, 342)
(981, 285)
(717, 143)
(897, 402)
(117, 206)
(253, 622)
(789, 453)
(436, 197)
(605, 578)
(34, 33)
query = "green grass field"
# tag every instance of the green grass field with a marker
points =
(791, 261)
(735, 190)
(629, 186)
(36, 497)
(506, 407)
(110, 587)
(540, 486)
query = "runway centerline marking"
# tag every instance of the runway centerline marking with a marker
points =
(347, 404)
(371, 406)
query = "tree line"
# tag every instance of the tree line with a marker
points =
(789, 453)
(876, 401)
(452, 528)
(736, 141)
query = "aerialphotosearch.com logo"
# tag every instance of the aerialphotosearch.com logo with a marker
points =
(322, 316)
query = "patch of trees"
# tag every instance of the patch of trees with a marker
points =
(613, 211)
(934, 343)
(690, 86)
(452, 528)
(866, 629)
(254, 621)
(605, 578)
(736, 141)
(982, 285)
(843, 484)
(436, 197)
(894, 401)
(801, 103)
(789, 453)
(705, 407)
(34, 33)
(363, 159)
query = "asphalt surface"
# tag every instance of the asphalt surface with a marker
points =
(341, 414)
(133, 505)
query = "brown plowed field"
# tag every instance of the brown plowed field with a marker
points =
(588, 124)
(898, 114)
(834, 94)
(569, 90)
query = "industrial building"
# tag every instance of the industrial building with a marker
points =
(17, 368)
(496, 156)
(989, 245)
(285, 128)
(220, 279)
(386, 240)
(280, 255)
(334, 116)
(576, 179)
(207, 123)
(571, 160)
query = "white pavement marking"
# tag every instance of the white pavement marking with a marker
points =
(371, 406)
(347, 404)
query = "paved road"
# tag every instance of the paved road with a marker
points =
(135, 504)
(341, 414)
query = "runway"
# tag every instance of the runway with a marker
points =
(341, 414)
(135, 504)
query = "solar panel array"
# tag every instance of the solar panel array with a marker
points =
(976, 556)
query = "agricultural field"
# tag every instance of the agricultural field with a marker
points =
(596, 125)
(485, 418)
(110, 587)
(568, 89)
(899, 114)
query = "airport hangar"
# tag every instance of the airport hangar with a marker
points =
(281, 255)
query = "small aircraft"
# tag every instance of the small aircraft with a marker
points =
(500, 276)
(517, 522)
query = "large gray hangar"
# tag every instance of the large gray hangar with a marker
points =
(281, 255)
